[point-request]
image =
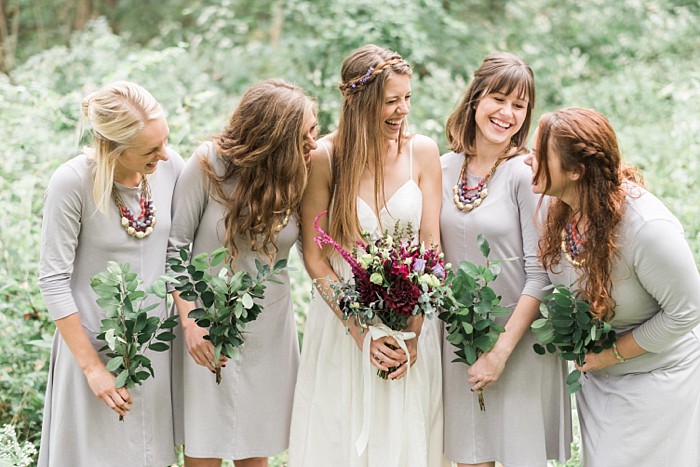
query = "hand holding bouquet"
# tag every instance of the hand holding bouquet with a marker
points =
(569, 329)
(227, 300)
(394, 278)
(470, 315)
(127, 328)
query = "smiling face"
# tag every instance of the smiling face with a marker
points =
(499, 117)
(146, 150)
(396, 104)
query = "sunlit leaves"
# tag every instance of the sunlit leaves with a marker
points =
(127, 328)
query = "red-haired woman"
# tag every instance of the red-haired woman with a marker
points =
(627, 254)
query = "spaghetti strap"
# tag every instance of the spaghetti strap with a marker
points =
(410, 160)
(328, 153)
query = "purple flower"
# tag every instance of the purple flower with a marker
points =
(419, 265)
(439, 271)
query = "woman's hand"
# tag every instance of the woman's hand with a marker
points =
(486, 370)
(200, 349)
(101, 383)
(597, 361)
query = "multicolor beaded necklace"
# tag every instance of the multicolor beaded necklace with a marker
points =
(142, 225)
(467, 198)
(572, 243)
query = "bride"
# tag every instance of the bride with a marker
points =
(369, 174)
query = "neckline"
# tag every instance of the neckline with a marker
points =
(393, 195)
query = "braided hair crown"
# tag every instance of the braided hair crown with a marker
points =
(365, 65)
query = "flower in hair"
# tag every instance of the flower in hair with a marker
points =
(366, 76)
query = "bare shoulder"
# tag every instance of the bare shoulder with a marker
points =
(425, 151)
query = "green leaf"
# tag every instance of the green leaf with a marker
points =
(165, 336)
(159, 346)
(115, 363)
(218, 255)
(483, 245)
(247, 301)
(573, 377)
(121, 379)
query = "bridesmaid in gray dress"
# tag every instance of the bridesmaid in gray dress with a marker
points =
(487, 191)
(242, 190)
(626, 252)
(81, 232)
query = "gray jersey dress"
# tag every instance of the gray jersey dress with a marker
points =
(76, 243)
(645, 412)
(528, 413)
(248, 414)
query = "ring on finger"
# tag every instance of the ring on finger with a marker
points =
(376, 355)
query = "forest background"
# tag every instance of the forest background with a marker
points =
(633, 60)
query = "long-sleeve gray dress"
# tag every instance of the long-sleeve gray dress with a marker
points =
(248, 414)
(646, 411)
(76, 243)
(528, 414)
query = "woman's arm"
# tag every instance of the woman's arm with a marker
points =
(63, 212)
(316, 199)
(490, 365)
(189, 202)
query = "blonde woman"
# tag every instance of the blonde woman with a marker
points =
(242, 190)
(370, 174)
(127, 172)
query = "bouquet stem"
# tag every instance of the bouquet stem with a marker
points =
(385, 374)
(218, 375)
(482, 404)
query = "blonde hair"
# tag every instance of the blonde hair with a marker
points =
(262, 148)
(358, 140)
(116, 114)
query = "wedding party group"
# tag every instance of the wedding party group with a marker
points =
(435, 278)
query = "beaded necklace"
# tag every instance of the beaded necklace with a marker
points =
(572, 243)
(467, 198)
(142, 225)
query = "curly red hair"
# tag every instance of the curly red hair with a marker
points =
(586, 143)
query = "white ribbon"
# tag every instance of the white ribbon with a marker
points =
(375, 332)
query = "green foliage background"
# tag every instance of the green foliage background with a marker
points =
(635, 61)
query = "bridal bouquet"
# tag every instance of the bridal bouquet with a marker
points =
(127, 328)
(394, 278)
(569, 329)
(226, 301)
(470, 318)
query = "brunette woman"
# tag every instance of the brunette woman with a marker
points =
(242, 190)
(487, 191)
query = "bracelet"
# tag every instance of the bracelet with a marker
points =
(618, 357)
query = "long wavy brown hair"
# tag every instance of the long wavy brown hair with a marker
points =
(586, 143)
(499, 72)
(262, 150)
(358, 141)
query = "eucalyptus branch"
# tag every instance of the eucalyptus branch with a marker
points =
(470, 316)
(569, 329)
(127, 329)
(225, 301)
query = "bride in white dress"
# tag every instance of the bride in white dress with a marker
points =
(369, 175)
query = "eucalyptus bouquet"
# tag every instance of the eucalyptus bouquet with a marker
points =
(474, 306)
(225, 301)
(393, 279)
(127, 328)
(569, 329)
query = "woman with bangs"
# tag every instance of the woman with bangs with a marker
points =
(370, 174)
(628, 256)
(242, 190)
(486, 191)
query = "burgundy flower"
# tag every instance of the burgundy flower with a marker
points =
(402, 297)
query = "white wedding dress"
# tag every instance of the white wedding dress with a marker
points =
(328, 414)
